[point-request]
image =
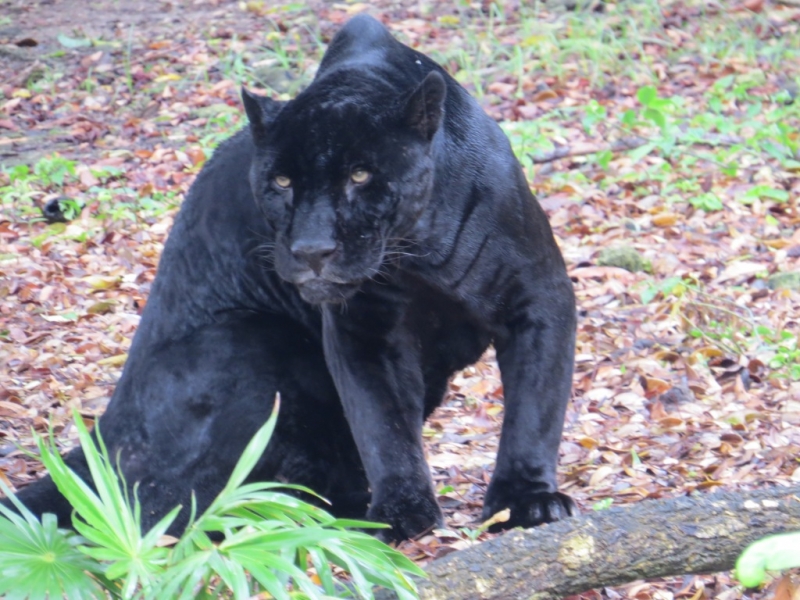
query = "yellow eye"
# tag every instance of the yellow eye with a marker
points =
(360, 176)
(282, 181)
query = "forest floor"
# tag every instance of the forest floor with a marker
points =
(661, 137)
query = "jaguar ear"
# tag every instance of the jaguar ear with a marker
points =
(425, 107)
(261, 111)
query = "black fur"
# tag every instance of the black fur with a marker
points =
(393, 237)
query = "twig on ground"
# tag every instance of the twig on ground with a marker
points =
(582, 149)
(623, 144)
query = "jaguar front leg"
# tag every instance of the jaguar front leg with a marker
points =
(376, 369)
(536, 357)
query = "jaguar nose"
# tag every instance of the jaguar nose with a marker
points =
(314, 253)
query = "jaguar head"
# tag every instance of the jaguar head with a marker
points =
(342, 173)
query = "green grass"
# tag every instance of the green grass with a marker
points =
(598, 46)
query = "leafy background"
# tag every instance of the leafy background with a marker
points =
(660, 136)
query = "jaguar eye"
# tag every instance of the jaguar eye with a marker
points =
(360, 176)
(282, 181)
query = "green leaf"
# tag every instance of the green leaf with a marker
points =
(656, 116)
(765, 191)
(646, 95)
(253, 452)
(269, 581)
(357, 524)
(38, 560)
(777, 152)
(639, 153)
(232, 573)
(723, 83)
(182, 577)
(629, 118)
(18, 172)
(604, 159)
(646, 295)
(661, 103)
(73, 43)
(673, 285)
(322, 567)
(603, 504)
(791, 164)
(773, 553)
(708, 202)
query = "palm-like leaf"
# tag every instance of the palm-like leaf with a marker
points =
(37, 557)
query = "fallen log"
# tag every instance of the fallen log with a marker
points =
(654, 538)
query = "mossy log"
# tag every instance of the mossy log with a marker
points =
(654, 538)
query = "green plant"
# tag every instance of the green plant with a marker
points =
(36, 558)
(127, 62)
(655, 111)
(765, 192)
(271, 543)
(782, 352)
(669, 286)
(603, 504)
(707, 201)
(19, 192)
(25, 184)
(727, 325)
(773, 553)
(52, 171)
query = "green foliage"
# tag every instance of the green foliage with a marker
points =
(533, 137)
(773, 553)
(783, 347)
(25, 184)
(603, 504)
(271, 542)
(36, 558)
(765, 192)
(19, 193)
(708, 202)
(112, 198)
(72, 43)
(727, 128)
(52, 171)
(596, 113)
(669, 286)
(731, 328)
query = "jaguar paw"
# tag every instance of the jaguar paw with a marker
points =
(529, 509)
(409, 517)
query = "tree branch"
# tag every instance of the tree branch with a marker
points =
(658, 538)
(582, 149)
(623, 144)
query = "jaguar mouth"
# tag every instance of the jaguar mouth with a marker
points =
(320, 291)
